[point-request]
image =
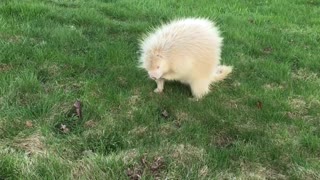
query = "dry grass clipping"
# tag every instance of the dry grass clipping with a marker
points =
(304, 74)
(32, 145)
(299, 108)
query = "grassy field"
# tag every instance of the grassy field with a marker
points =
(261, 123)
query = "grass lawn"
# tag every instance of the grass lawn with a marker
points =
(263, 122)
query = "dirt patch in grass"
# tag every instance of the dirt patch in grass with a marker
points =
(86, 169)
(90, 124)
(257, 171)
(249, 170)
(12, 38)
(139, 131)
(147, 165)
(297, 103)
(303, 108)
(273, 86)
(236, 84)
(48, 71)
(267, 50)
(282, 136)
(233, 104)
(18, 39)
(301, 172)
(132, 102)
(64, 4)
(122, 82)
(305, 75)
(61, 108)
(129, 156)
(93, 165)
(67, 118)
(168, 159)
(167, 129)
(203, 172)
(102, 141)
(223, 140)
(183, 154)
(298, 106)
(237, 104)
(72, 86)
(70, 110)
(180, 118)
(5, 67)
(32, 145)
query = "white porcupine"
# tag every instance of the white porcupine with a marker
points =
(186, 50)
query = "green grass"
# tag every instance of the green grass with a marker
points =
(54, 52)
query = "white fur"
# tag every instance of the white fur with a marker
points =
(187, 50)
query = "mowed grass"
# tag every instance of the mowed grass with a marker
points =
(261, 123)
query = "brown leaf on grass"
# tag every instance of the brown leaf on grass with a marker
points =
(144, 161)
(267, 50)
(64, 128)
(157, 164)
(77, 106)
(165, 114)
(154, 167)
(259, 105)
(135, 173)
(251, 21)
(178, 124)
(29, 124)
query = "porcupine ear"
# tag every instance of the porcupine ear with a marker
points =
(159, 55)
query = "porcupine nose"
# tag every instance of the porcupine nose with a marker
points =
(153, 75)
